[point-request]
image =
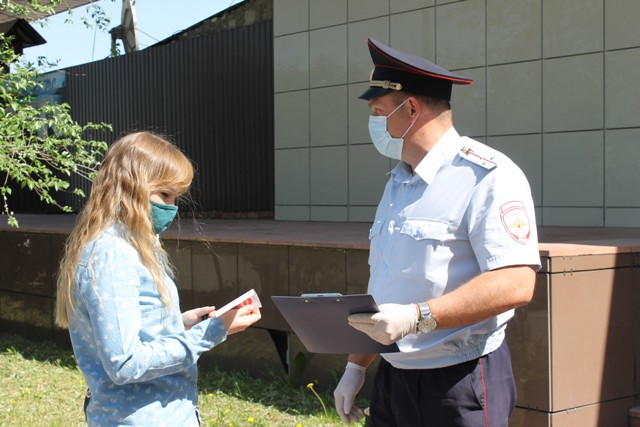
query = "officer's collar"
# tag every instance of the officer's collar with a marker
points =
(430, 165)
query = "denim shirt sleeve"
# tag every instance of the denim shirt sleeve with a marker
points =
(136, 338)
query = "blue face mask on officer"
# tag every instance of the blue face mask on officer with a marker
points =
(383, 141)
(162, 216)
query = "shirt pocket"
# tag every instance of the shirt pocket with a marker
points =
(426, 229)
(422, 252)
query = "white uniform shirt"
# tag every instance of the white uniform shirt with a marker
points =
(466, 210)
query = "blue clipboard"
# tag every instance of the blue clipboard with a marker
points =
(320, 322)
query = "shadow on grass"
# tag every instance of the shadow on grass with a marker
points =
(44, 351)
(269, 390)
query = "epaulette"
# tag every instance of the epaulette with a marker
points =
(479, 157)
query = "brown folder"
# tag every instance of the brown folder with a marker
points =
(320, 322)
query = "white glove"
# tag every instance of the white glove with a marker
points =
(393, 322)
(346, 391)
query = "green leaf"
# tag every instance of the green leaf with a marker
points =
(12, 221)
(42, 148)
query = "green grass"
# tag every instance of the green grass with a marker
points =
(41, 385)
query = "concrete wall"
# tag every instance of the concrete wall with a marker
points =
(557, 88)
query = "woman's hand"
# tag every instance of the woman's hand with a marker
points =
(237, 320)
(193, 317)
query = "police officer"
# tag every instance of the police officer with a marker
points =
(453, 251)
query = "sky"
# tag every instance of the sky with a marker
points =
(73, 44)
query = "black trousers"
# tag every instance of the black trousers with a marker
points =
(480, 392)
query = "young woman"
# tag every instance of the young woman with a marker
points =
(137, 352)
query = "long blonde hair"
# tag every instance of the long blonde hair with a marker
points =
(134, 166)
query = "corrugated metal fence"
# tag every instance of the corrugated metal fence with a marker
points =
(212, 95)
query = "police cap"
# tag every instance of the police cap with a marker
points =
(395, 70)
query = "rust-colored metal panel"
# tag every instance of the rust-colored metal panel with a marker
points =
(357, 271)
(545, 265)
(606, 414)
(528, 338)
(12, 308)
(592, 327)
(603, 414)
(523, 417)
(321, 369)
(179, 252)
(265, 268)
(26, 263)
(214, 273)
(253, 351)
(316, 270)
(568, 264)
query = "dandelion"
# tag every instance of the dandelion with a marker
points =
(251, 420)
(226, 411)
(210, 394)
(298, 425)
(310, 387)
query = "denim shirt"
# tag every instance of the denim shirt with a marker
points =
(455, 218)
(136, 357)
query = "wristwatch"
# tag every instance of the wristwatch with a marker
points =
(426, 322)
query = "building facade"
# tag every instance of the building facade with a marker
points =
(557, 89)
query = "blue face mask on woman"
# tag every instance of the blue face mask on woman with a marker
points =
(383, 141)
(162, 216)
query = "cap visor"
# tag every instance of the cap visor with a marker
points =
(374, 92)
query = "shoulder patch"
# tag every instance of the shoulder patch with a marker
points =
(516, 221)
(479, 157)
